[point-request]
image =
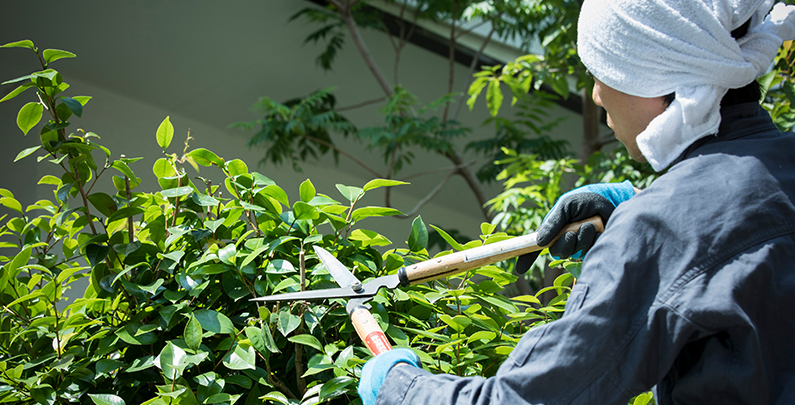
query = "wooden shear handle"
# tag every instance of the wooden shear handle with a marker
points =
(469, 259)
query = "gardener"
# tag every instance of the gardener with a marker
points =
(688, 290)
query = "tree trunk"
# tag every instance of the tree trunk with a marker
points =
(590, 126)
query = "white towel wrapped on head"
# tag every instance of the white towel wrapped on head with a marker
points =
(651, 48)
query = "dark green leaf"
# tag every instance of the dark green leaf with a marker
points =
(103, 203)
(73, 105)
(129, 334)
(125, 212)
(96, 253)
(335, 387)
(307, 340)
(213, 321)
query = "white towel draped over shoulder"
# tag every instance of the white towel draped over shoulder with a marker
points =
(650, 48)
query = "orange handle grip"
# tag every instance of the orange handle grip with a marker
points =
(369, 331)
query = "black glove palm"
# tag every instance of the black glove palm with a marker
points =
(577, 205)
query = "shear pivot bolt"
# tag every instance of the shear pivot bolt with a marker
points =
(357, 287)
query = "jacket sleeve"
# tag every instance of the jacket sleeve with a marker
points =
(618, 337)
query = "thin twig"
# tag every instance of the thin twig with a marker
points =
(362, 104)
(428, 197)
(348, 155)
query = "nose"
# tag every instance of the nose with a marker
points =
(596, 93)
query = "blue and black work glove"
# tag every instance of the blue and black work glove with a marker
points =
(375, 370)
(576, 205)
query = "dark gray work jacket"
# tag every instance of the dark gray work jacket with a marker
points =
(691, 289)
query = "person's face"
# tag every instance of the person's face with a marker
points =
(627, 115)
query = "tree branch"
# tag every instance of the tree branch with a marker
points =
(451, 59)
(356, 35)
(472, 182)
(471, 71)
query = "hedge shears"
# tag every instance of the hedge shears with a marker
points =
(359, 294)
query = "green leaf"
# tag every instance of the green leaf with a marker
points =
(227, 254)
(129, 334)
(335, 387)
(27, 152)
(103, 203)
(242, 357)
(236, 167)
(494, 97)
(449, 239)
(500, 301)
(177, 192)
(287, 322)
(75, 106)
(51, 55)
(213, 321)
(204, 200)
(172, 361)
(205, 157)
(369, 238)
(29, 115)
(165, 132)
(303, 210)
(125, 212)
(373, 184)
(17, 91)
(276, 396)
(307, 340)
(530, 299)
(418, 238)
(106, 399)
(277, 193)
(366, 212)
(25, 43)
(12, 203)
(152, 288)
(124, 169)
(307, 191)
(96, 253)
(350, 193)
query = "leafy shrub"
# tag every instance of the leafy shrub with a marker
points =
(166, 317)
